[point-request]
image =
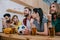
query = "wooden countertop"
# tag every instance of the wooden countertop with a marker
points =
(29, 37)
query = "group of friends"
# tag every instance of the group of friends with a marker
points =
(36, 19)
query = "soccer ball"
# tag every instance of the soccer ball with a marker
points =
(21, 28)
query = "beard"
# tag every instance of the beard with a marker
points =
(8, 21)
(26, 15)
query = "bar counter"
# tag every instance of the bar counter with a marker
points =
(26, 37)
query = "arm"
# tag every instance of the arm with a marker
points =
(45, 30)
(4, 23)
(49, 20)
(49, 17)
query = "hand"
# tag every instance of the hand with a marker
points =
(26, 32)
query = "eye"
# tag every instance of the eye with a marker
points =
(25, 10)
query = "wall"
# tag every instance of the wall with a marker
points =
(7, 4)
(33, 3)
(44, 6)
(38, 3)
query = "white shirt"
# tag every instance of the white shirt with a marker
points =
(28, 24)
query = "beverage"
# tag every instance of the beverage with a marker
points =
(33, 31)
(52, 31)
(12, 31)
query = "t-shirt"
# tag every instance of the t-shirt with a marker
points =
(28, 25)
(19, 23)
(40, 28)
(26, 22)
(56, 24)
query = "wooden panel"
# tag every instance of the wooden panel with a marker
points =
(14, 11)
(33, 3)
(23, 3)
(11, 37)
(44, 6)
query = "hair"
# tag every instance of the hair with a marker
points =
(14, 16)
(58, 13)
(7, 15)
(53, 16)
(28, 8)
(40, 12)
(58, 8)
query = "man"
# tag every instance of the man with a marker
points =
(54, 17)
(26, 20)
(6, 20)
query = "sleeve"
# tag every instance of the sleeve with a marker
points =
(45, 20)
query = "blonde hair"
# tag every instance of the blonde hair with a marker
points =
(16, 23)
(14, 16)
(58, 14)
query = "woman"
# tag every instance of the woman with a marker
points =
(39, 21)
(55, 17)
(6, 21)
(15, 22)
(17, 25)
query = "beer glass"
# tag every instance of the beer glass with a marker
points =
(52, 31)
(33, 31)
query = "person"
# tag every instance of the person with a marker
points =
(55, 17)
(39, 21)
(26, 20)
(6, 21)
(15, 22)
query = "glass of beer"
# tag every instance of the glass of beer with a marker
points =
(33, 31)
(12, 31)
(52, 31)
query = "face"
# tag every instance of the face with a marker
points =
(34, 15)
(53, 8)
(15, 19)
(6, 17)
(26, 12)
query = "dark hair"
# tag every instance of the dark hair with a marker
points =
(40, 12)
(8, 21)
(53, 16)
(28, 8)
(7, 15)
